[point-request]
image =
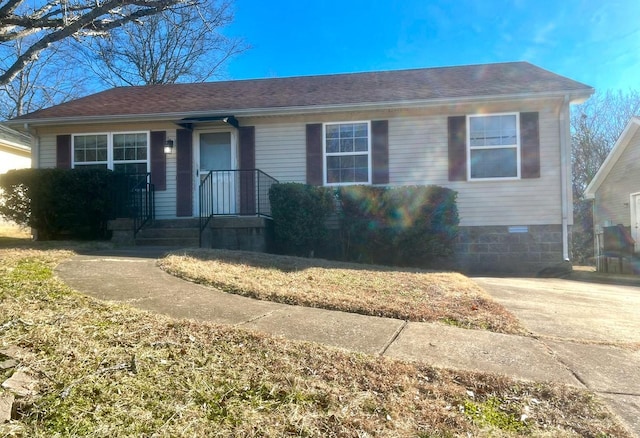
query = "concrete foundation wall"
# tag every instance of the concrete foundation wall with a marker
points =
(503, 249)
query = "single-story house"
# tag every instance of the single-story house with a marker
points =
(615, 190)
(498, 134)
(15, 149)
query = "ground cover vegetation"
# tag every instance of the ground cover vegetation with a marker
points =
(408, 294)
(111, 370)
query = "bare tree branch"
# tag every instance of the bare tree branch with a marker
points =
(56, 20)
(176, 45)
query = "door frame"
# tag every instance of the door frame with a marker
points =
(196, 159)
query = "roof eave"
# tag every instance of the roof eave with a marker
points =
(613, 156)
(574, 96)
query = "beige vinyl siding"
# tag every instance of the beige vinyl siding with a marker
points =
(281, 151)
(612, 197)
(47, 151)
(418, 154)
(166, 199)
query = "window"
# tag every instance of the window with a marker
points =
(347, 155)
(120, 152)
(494, 148)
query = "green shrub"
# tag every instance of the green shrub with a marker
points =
(59, 203)
(404, 226)
(299, 214)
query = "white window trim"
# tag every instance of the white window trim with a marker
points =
(110, 161)
(338, 154)
(517, 146)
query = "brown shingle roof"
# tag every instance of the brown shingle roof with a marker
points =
(516, 78)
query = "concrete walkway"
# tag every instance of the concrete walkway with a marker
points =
(131, 276)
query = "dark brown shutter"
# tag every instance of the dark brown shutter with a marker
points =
(314, 154)
(530, 145)
(247, 146)
(158, 160)
(380, 151)
(63, 151)
(184, 173)
(457, 129)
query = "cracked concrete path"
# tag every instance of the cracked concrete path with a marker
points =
(592, 328)
(131, 276)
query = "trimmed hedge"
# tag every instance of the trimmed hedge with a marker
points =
(400, 226)
(59, 203)
(300, 213)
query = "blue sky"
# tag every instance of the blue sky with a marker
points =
(596, 41)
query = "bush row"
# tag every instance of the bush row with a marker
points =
(59, 203)
(403, 226)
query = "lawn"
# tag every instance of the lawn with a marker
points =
(408, 294)
(110, 370)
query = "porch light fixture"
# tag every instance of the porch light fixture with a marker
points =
(168, 146)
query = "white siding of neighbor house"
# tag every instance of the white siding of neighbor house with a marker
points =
(418, 154)
(612, 197)
(9, 161)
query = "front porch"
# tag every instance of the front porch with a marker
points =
(232, 211)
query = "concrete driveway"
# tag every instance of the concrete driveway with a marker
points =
(592, 328)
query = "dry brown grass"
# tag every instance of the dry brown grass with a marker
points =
(109, 370)
(407, 294)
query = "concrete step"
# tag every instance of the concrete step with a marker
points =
(174, 233)
(168, 241)
(178, 233)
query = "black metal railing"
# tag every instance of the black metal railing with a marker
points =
(134, 198)
(242, 192)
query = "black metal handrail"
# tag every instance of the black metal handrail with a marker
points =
(134, 198)
(239, 192)
(143, 202)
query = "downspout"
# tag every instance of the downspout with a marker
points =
(565, 174)
(35, 146)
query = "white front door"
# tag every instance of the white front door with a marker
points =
(216, 152)
(635, 219)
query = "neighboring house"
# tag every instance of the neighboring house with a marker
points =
(498, 134)
(15, 149)
(15, 153)
(615, 190)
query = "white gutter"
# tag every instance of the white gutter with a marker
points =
(575, 96)
(565, 174)
(35, 146)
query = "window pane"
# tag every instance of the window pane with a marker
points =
(346, 130)
(347, 175)
(333, 145)
(494, 163)
(360, 130)
(346, 145)
(333, 163)
(493, 130)
(88, 148)
(333, 176)
(361, 161)
(351, 142)
(333, 131)
(361, 144)
(361, 175)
